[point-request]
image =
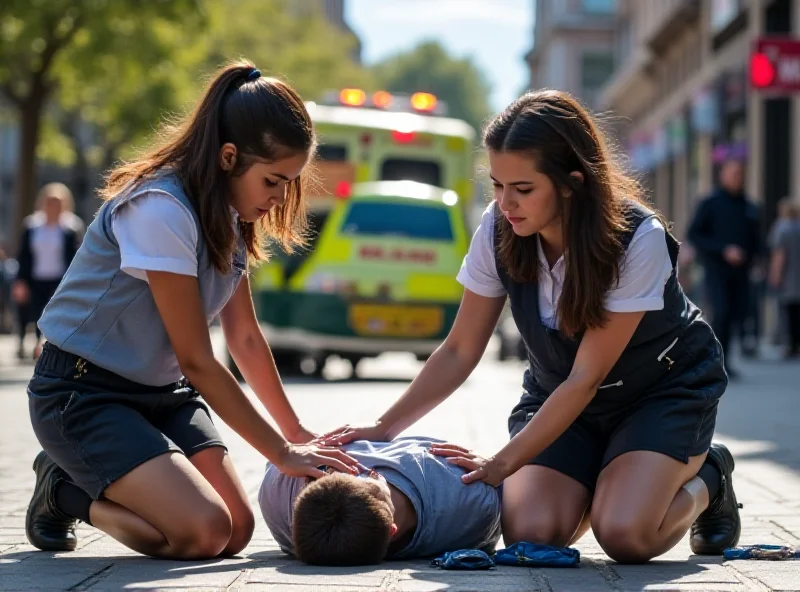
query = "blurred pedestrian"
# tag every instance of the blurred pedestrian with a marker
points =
(725, 234)
(785, 271)
(47, 247)
(785, 208)
(6, 280)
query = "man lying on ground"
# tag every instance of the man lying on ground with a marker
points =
(407, 503)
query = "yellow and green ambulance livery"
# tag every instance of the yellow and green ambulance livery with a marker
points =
(389, 232)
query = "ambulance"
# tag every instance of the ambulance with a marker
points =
(390, 225)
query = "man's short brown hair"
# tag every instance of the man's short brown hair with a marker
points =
(339, 521)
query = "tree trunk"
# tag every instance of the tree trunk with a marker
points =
(30, 113)
(81, 183)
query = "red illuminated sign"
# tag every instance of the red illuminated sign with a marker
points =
(775, 64)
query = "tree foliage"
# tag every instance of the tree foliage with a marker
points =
(429, 68)
(35, 38)
(90, 81)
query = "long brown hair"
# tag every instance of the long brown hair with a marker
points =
(262, 117)
(560, 135)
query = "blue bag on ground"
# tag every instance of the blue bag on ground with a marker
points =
(771, 552)
(464, 559)
(533, 555)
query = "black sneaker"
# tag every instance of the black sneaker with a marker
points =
(719, 526)
(47, 527)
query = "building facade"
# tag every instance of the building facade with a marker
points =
(682, 88)
(573, 47)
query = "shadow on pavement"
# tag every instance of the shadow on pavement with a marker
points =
(762, 406)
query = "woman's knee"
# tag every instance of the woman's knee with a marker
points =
(624, 540)
(241, 533)
(540, 528)
(553, 518)
(208, 535)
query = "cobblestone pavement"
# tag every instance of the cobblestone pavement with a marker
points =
(758, 420)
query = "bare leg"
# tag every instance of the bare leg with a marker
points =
(645, 503)
(165, 508)
(541, 505)
(217, 468)
(583, 527)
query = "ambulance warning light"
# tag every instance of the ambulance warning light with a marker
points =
(355, 97)
(422, 101)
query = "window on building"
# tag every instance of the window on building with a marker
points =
(596, 69)
(600, 6)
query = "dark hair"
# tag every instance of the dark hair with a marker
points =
(262, 117)
(561, 137)
(338, 521)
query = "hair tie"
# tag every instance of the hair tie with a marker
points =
(254, 74)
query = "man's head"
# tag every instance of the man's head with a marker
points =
(343, 520)
(731, 176)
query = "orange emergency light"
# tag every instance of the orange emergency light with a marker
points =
(381, 99)
(422, 101)
(355, 97)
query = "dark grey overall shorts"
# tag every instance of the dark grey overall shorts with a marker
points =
(660, 396)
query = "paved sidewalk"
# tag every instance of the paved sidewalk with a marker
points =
(759, 421)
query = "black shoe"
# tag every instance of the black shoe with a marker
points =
(719, 526)
(47, 527)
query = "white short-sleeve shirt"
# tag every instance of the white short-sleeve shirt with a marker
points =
(643, 274)
(156, 232)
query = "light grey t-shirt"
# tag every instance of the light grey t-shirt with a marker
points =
(450, 515)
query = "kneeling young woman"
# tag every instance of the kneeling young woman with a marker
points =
(129, 445)
(615, 424)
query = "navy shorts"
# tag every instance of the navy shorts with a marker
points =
(99, 426)
(677, 419)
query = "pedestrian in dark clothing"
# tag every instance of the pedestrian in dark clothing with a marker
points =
(725, 234)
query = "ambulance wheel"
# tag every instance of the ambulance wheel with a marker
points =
(354, 361)
(313, 366)
(288, 363)
(502, 352)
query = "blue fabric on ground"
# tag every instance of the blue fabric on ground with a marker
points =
(533, 555)
(772, 552)
(469, 559)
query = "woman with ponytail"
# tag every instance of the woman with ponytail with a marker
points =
(117, 396)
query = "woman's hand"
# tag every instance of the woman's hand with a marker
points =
(347, 433)
(479, 468)
(300, 435)
(305, 460)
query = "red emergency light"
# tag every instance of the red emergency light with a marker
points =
(402, 137)
(343, 190)
(762, 71)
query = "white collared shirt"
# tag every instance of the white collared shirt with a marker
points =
(643, 274)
